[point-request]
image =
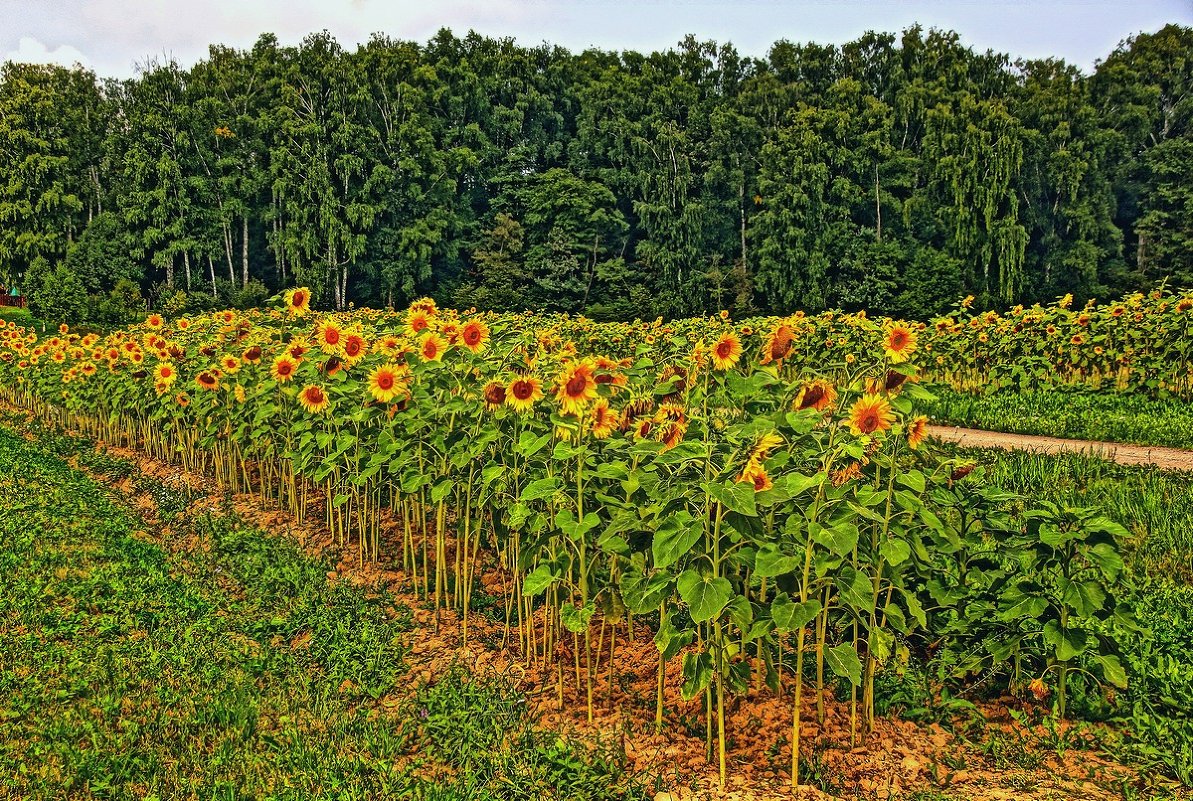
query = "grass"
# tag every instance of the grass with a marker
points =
(1156, 711)
(1069, 413)
(223, 664)
(19, 316)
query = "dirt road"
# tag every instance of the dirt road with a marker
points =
(1165, 458)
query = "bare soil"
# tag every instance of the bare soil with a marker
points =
(1164, 458)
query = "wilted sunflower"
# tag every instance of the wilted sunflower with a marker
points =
(756, 474)
(917, 429)
(870, 414)
(474, 335)
(385, 383)
(726, 351)
(283, 368)
(313, 399)
(432, 347)
(899, 342)
(576, 387)
(524, 392)
(779, 344)
(494, 394)
(817, 394)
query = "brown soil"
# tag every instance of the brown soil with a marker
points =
(1164, 458)
(1001, 760)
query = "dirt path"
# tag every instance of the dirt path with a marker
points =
(1164, 458)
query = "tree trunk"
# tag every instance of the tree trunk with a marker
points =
(170, 272)
(211, 268)
(186, 263)
(228, 252)
(244, 251)
(877, 203)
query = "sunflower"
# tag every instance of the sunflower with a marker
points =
(870, 414)
(208, 380)
(252, 355)
(385, 383)
(917, 429)
(779, 344)
(355, 348)
(87, 369)
(756, 474)
(899, 342)
(846, 474)
(313, 399)
(603, 419)
(154, 321)
(298, 301)
(474, 335)
(283, 368)
(230, 364)
(672, 424)
(818, 395)
(417, 321)
(329, 336)
(182, 399)
(165, 374)
(576, 387)
(495, 395)
(726, 351)
(524, 391)
(432, 347)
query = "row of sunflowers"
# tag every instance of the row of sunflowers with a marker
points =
(760, 493)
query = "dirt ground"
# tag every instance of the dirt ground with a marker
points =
(1164, 458)
(900, 759)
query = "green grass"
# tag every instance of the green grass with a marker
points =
(1074, 414)
(19, 316)
(224, 665)
(1156, 711)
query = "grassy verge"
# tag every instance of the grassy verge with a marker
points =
(223, 664)
(19, 316)
(1156, 711)
(1072, 414)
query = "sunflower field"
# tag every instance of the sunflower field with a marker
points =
(760, 493)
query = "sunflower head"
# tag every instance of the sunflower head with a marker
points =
(818, 394)
(313, 399)
(284, 367)
(899, 342)
(474, 335)
(871, 414)
(602, 419)
(387, 382)
(576, 387)
(298, 301)
(917, 430)
(495, 395)
(523, 392)
(432, 347)
(726, 351)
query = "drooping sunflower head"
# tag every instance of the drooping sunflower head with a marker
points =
(917, 430)
(870, 414)
(252, 355)
(208, 380)
(576, 387)
(779, 344)
(523, 392)
(818, 394)
(284, 367)
(726, 351)
(474, 335)
(899, 342)
(313, 399)
(495, 394)
(756, 474)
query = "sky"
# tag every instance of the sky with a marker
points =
(113, 36)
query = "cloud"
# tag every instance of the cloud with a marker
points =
(30, 50)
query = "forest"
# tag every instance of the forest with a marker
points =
(895, 174)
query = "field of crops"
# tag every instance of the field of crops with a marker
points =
(760, 493)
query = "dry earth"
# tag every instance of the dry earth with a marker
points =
(1165, 458)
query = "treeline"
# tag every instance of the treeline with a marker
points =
(894, 173)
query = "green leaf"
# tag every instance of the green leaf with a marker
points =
(843, 660)
(1112, 670)
(669, 640)
(770, 562)
(675, 538)
(540, 488)
(895, 551)
(697, 674)
(841, 539)
(575, 619)
(855, 589)
(791, 616)
(538, 581)
(442, 490)
(704, 595)
(1067, 643)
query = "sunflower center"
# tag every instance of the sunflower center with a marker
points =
(522, 390)
(576, 385)
(385, 381)
(898, 340)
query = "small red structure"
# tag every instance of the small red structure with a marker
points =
(11, 298)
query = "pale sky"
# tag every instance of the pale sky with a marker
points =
(112, 36)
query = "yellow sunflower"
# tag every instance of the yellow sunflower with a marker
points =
(871, 414)
(576, 387)
(385, 383)
(523, 392)
(726, 351)
(899, 343)
(313, 399)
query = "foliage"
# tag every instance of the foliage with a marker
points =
(893, 173)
